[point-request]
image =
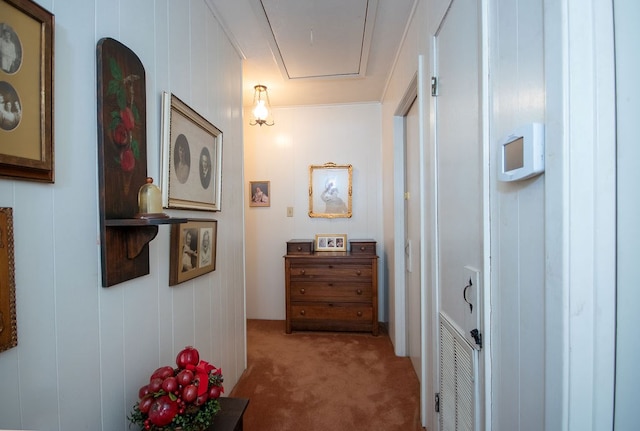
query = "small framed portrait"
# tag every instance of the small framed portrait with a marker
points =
(193, 249)
(260, 193)
(191, 158)
(331, 242)
(330, 190)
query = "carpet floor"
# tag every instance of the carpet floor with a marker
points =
(325, 381)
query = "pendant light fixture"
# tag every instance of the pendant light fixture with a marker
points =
(261, 112)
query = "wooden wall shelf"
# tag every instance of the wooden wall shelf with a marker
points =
(139, 232)
(122, 164)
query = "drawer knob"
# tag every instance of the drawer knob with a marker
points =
(299, 248)
(359, 291)
(358, 272)
(302, 291)
(330, 284)
(330, 266)
(363, 248)
(302, 272)
(359, 313)
(302, 312)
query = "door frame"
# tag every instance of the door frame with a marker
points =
(413, 94)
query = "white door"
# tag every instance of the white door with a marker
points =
(412, 235)
(459, 150)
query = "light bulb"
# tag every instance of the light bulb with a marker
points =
(260, 111)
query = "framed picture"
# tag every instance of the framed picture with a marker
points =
(191, 158)
(330, 190)
(193, 249)
(260, 193)
(331, 242)
(8, 327)
(26, 91)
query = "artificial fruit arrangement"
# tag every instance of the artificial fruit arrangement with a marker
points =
(183, 398)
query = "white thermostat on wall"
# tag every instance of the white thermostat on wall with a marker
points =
(521, 154)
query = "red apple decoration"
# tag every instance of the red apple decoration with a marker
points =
(214, 392)
(143, 391)
(145, 404)
(155, 384)
(162, 373)
(201, 399)
(162, 411)
(189, 393)
(184, 377)
(170, 384)
(173, 392)
(187, 356)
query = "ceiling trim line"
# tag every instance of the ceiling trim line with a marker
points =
(225, 28)
(400, 44)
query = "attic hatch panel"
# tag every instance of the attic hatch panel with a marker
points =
(318, 38)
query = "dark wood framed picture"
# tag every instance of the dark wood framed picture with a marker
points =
(191, 158)
(260, 193)
(330, 190)
(26, 91)
(8, 326)
(193, 249)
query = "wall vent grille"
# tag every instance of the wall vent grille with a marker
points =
(458, 380)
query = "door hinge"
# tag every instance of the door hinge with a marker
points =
(477, 336)
(434, 86)
(437, 402)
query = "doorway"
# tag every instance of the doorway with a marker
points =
(410, 256)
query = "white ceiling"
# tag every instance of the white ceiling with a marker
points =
(315, 52)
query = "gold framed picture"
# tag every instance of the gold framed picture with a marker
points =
(331, 242)
(330, 190)
(26, 91)
(193, 249)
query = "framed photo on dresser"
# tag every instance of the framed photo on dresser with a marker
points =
(331, 242)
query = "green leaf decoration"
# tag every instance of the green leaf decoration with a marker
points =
(121, 98)
(135, 148)
(115, 120)
(136, 112)
(113, 87)
(116, 72)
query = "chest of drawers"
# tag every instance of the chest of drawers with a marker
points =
(331, 291)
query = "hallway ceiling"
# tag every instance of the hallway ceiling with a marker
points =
(315, 52)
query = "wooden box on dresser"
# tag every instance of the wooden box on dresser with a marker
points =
(332, 291)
